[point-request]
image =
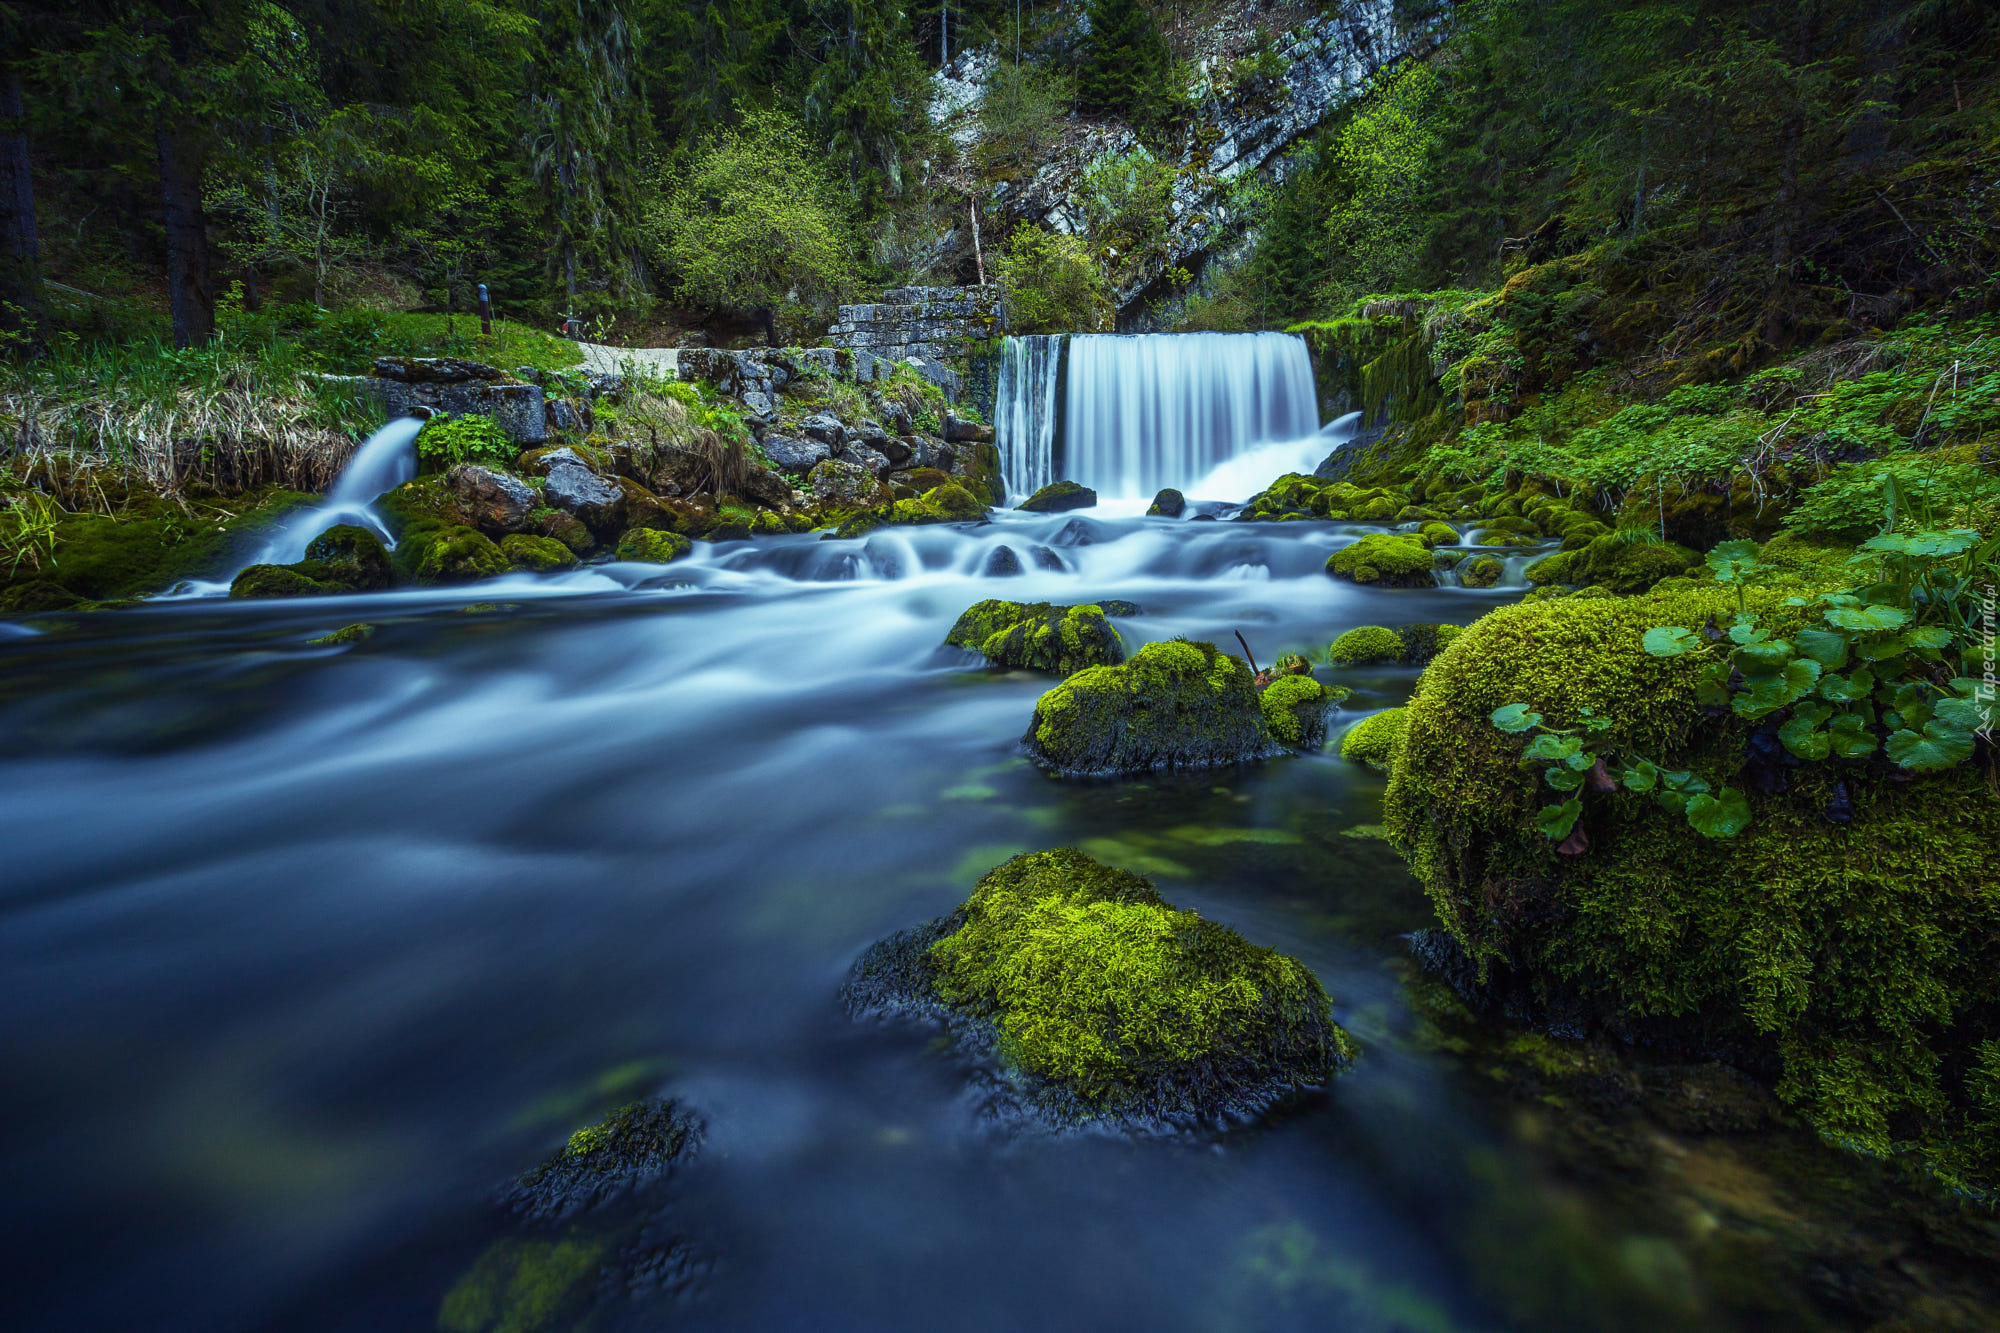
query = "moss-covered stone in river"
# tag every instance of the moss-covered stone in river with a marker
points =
(459, 555)
(1038, 636)
(950, 503)
(1366, 643)
(1845, 939)
(1614, 561)
(1385, 560)
(537, 555)
(645, 546)
(1058, 497)
(1481, 572)
(1106, 1002)
(358, 632)
(526, 1285)
(1295, 711)
(633, 1147)
(279, 581)
(1372, 740)
(348, 555)
(1438, 534)
(1175, 705)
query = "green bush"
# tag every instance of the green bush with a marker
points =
(1853, 502)
(1021, 116)
(446, 441)
(1049, 284)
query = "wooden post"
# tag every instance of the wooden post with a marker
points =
(485, 312)
(978, 258)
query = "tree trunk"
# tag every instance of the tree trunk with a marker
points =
(20, 255)
(190, 285)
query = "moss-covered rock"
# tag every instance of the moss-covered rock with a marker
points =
(1481, 572)
(1106, 1003)
(1422, 642)
(1175, 705)
(537, 555)
(279, 581)
(646, 546)
(351, 556)
(1295, 711)
(949, 503)
(459, 555)
(1059, 496)
(1038, 636)
(633, 1147)
(1438, 534)
(1385, 560)
(1848, 939)
(1169, 503)
(1617, 562)
(1372, 740)
(1366, 643)
(345, 635)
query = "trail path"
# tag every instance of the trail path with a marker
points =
(608, 360)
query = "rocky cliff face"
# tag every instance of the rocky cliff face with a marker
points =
(1241, 129)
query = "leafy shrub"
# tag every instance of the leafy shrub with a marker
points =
(446, 441)
(1021, 116)
(1049, 284)
(1127, 203)
(1850, 504)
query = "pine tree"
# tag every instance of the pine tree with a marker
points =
(1127, 69)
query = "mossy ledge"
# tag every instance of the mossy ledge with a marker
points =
(1098, 1002)
(1845, 947)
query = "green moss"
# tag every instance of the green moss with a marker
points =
(1169, 503)
(1175, 705)
(646, 546)
(1393, 561)
(351, 556)
(1847, 937)
(524, 1286)
(1038, 636)
(1057, 497)
(1483, 572)
(346, 634)
(146, 548)
(279, 581)
(1422, 642)
(1295, 711)
(538, 555)
(942, 504)
(1614, 562)
(459, 555)
(1099, 987)
(1372, 740)
(1438, 534)
(1367, 643)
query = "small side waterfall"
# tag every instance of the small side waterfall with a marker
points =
(384, 461)
(1164, 409)
(1024, 411)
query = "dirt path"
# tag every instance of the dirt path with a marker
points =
(610, 360)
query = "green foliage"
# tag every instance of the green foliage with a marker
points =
(1848, 504)
(1049, 284)
(1126, 204)
(1098, 985)
(753, 219)
(446, 441)
(1020, 117)
(864, 95)
(1127, 68)
(28, 532)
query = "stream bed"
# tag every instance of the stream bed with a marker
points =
(306, 949)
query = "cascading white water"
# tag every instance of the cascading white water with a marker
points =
(385, 460)
(1024, 413)
(1164, 409)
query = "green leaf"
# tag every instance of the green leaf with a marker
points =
(1973, 714)
(1712, 690)
(1823, 646)
(1641, 776)
(1928, 636)
(1866, 618)
(1516, 718)
(1733, 561)
(1941, 745)
(1923, 543)
(1553, 748)
(1802, 736)
(1743, 629)
(1555, 821)
(1670, 641)
(1774, 692)
(1850, 736)
(1563, 779)
(1722, 815)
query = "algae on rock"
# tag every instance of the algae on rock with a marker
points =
(1104, 1002)
(1385, 560)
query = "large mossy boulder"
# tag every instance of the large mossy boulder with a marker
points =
(1175, 705)
(1614, 561)
(537, 555)
(1384, 560)
(459, 555)
(345, 558)
(1103, 1002)
(646, 546)
(1039, 636)
(1058, 497)
(1845, 942)
(949, 503)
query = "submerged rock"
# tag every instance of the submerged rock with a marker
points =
(634, 1147)
(1101, 1002)
(1175, 705)
(1058, 497)
(1002, 563)
(1040, 636)
(346, 634)
(1169, 503)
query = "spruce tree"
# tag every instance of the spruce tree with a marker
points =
(1127, 69)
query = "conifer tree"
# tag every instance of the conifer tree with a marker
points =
(1127, 69)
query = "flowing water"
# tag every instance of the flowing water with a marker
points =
(303, 949)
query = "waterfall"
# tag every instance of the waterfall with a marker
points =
(1164, 409)
(1024, 411)
(386, 460)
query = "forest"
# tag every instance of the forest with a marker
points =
(1069, 664)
